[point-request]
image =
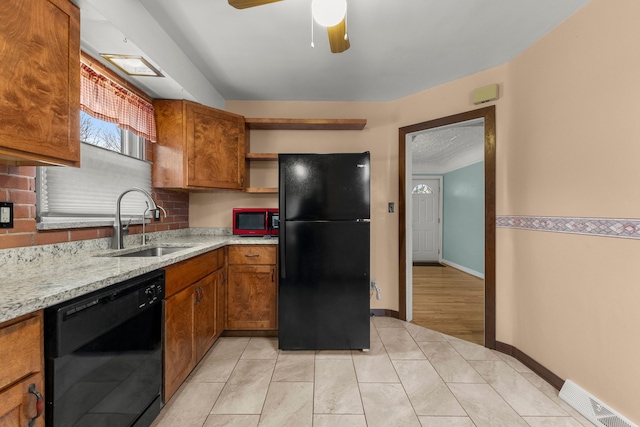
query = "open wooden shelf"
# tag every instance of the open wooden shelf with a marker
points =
(261, 156)
(293, 124)
(261, 190)
(306, 124)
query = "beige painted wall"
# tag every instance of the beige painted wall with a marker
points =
(566, 146)
(379, 137)
(573, 150)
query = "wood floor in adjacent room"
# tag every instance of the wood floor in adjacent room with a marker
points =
(449, 301)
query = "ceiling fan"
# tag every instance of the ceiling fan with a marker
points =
(328, 13)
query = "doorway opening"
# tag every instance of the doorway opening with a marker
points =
(406, 211)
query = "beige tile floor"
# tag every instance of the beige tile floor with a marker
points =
(412, 376)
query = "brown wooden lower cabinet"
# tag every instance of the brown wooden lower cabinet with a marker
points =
(205, 314)
(252, 288)
(18, 406)
(204, 297)
(221, 300)
(190, 315)
(179, 349)
(21, 372)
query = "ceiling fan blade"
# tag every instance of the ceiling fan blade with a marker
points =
(244, 4)
(336, 37)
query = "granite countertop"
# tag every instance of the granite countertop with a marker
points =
(43, 281)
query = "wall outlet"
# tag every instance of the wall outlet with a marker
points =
(376, 289)
(6, 215)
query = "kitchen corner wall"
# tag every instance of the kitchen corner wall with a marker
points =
(214, 209)
(17, 185)
(567, 153)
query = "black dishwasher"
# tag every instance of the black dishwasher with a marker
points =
(103, 356)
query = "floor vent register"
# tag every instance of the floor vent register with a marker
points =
(592, 408)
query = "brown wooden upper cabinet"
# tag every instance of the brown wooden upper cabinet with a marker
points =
(198, 147)
(39, 82)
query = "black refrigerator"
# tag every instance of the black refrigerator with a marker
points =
(324, 242)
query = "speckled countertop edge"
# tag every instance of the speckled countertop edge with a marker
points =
(31, 286)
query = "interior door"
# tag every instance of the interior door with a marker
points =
(426, 219)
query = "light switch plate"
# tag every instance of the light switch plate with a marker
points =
(6, 215)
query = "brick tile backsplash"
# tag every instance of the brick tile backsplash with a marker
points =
(17, 185)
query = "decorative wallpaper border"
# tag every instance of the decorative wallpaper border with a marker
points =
(607, 227)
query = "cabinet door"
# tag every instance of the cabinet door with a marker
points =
(179, 345)
(251, 297)
(40, 82)
(205, 316)
(215, 148)
(18, 405)
(221, 300)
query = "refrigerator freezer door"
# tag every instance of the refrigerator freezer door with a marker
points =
(324, 286)
(324, 187)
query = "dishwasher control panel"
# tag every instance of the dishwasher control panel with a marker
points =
(150, 294)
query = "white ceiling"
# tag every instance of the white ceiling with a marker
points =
(447, 148)
(211, 52)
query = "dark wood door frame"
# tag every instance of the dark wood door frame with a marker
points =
(489, 116)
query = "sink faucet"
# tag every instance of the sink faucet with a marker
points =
(144, 215)
(118, 229)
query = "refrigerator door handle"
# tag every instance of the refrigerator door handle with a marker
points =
(282, 268)
(282, 228)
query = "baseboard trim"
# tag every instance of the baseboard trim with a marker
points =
(463, 269)
(383, 312)
(529, 362)
(378, 312)
(271, 333)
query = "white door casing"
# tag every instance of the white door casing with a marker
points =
(426, 222)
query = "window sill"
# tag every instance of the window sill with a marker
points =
(83, 223)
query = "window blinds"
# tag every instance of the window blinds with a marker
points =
(65, 194)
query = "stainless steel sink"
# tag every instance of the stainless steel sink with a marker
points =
(153, 252)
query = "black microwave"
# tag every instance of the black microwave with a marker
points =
(255, 221)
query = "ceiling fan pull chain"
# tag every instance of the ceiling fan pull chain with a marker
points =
(346, 23)
(312, 45)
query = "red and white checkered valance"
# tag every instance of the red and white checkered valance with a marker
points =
(108, 101)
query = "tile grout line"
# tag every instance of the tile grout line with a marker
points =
(227, 380)
(440, 376)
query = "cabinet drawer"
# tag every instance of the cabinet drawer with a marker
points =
(20, 349)
(251, 254)
(189, 271)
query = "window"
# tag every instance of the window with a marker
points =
(112, 161)
(107, 135)
(114, 123)
(422, 189)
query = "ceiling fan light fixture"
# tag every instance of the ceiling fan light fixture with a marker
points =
(328, 13)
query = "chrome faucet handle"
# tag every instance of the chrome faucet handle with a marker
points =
(125, 228)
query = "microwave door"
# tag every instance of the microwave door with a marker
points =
(251, 221)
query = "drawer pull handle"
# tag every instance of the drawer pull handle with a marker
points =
(273, 275)
(199, 294)
(252, 255)
(39, 404)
